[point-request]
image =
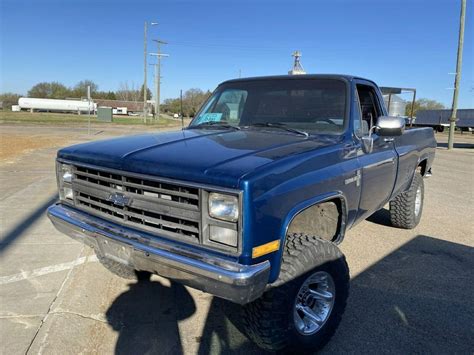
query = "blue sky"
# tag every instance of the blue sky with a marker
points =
(409, 43)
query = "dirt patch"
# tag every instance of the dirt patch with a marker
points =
(14, 145)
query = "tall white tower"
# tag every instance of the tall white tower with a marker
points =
(297, 67)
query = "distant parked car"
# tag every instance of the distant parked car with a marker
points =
(175, 115)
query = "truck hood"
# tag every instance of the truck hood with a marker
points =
(212, 157)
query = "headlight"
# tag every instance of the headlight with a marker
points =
(66, 172)
(223, 235)
(224, 207)
(67, 193)
(65, 176)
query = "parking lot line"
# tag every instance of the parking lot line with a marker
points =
(46, 270)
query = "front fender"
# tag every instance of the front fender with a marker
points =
(277, 257)
(274, 197)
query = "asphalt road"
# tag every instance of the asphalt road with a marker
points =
(411, 291)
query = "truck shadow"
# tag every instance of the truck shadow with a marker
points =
(147, 315)
(381, 217)
(456, 145)
(416, 299)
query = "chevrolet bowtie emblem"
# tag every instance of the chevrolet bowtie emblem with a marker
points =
(119, 199)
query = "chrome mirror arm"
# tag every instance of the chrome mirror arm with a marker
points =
(372, 129)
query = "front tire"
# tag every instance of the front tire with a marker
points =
(304, 306)
(406, 208)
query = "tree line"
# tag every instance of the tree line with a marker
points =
(192, 98)
(56, 90)
(423, 104)
(192, 101)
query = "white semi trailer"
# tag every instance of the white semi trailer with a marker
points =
(56, 105)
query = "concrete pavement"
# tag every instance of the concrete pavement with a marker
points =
(411, 291)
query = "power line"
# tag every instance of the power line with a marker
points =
(232, 46)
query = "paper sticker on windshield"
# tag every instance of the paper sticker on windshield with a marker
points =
(210, 117)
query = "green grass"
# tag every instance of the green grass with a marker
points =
(74, 119)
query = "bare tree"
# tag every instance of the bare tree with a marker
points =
(193, 99)
(128, 92)
(423, 104)
(80, 89)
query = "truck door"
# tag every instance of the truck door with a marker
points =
(379, 167)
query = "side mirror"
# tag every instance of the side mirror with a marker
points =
(390, 126)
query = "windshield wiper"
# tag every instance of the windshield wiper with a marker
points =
(216, 124)
(281, 126)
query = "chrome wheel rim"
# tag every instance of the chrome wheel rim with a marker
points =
(418, 199)
(314, 303)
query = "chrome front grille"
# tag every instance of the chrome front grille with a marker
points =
(155, 206)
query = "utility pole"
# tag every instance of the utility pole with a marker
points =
(181, 107)
(156, 86)
(145, 67)
(412, 107)
(452, 120)
(145, 89)
(158, 76)
(89, 109)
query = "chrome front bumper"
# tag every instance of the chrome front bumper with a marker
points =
(220, 277)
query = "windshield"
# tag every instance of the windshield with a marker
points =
(311, 105)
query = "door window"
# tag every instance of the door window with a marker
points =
(360, 126)
(369, 104)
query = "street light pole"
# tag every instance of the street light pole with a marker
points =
(452, 120)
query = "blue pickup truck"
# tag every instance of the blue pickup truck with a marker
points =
(250, 201)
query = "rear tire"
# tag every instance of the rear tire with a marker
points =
(407, 207)
(276, 321)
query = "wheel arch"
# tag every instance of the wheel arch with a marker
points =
(336, 197)
(421, 167)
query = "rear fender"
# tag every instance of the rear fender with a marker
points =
(425, 162)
